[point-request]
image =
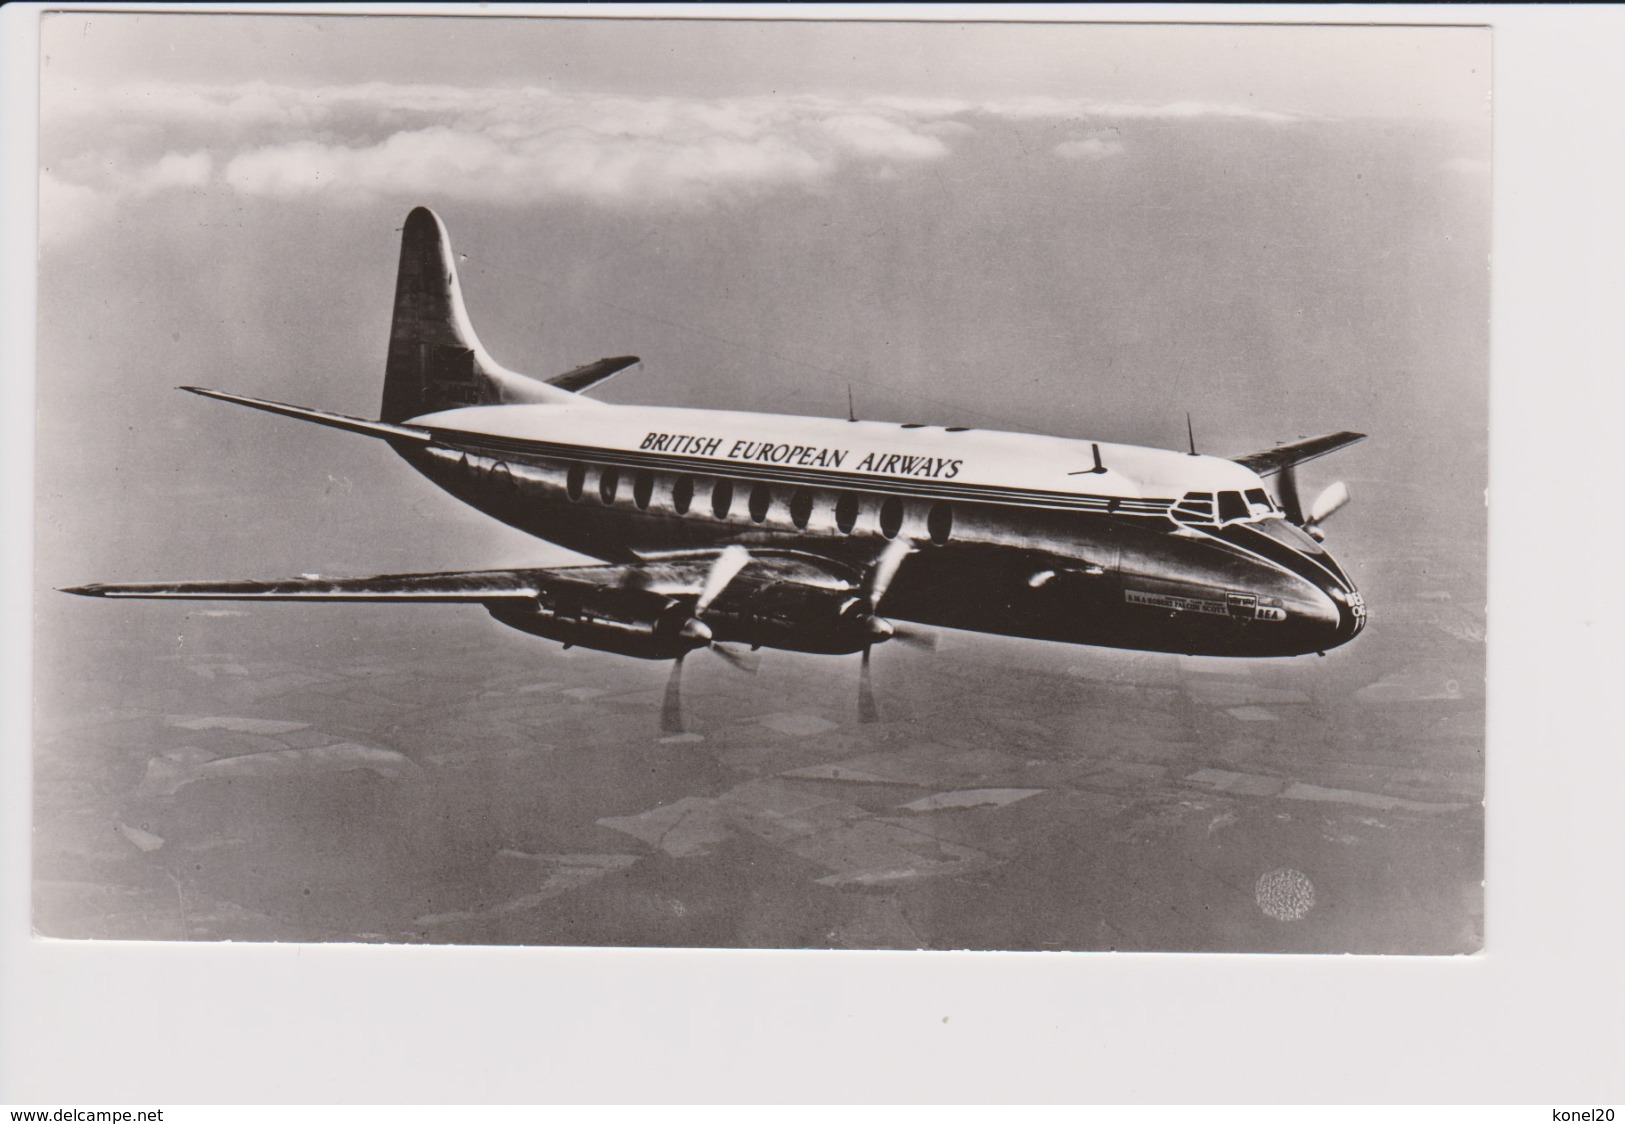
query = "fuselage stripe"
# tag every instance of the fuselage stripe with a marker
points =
(489, 445)
(1301, 559)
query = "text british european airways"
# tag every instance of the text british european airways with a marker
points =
(804, 456)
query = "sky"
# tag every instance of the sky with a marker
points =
(1085, 230)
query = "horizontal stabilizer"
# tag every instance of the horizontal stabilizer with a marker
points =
(593, 373)
(1297, 452)
(478, 586)
(320, 417)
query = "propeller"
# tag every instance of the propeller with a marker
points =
(1325, 506)
(1328, 502)
(671, 707)
(913, 637)
(1291, 504)
(880, 575)
(876, 582)
(868, 712)
(747, 662)
(724, 569)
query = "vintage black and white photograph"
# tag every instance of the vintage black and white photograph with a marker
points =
(761, 484)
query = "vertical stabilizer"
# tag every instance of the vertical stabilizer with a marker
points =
(435, 359)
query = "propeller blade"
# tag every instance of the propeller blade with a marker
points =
(723, 570)
(868, 712)
(914, 637)
(885, 569)
(671, 707)
(739, 661)
(1287, 493)
(1328, 503)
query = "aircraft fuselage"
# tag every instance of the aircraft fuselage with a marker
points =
(1015, 534)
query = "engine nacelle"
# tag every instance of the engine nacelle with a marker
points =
(628, 622)
(795, 617)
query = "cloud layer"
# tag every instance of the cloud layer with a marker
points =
(356, 143)
(1099, 146)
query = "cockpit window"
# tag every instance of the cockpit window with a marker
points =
(1196, 507)
(1231, 506)
(1223, 507)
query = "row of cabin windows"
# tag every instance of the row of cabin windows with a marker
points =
(939, 520)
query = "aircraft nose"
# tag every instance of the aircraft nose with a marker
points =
(1350, 612)
(1342, 614)
(1318, 611)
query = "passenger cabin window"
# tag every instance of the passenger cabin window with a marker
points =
(846, 512)
(574, 481)
(801, 505)
(609, 481)
(761, 498)
(891, 517)
(722, 498)
(940, 523)
(643, 488)
(682, 494)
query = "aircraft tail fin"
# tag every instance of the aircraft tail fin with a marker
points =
(435, 359)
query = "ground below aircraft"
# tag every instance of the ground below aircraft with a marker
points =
(771, 531)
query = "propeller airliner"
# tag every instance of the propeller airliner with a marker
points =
(769, 531)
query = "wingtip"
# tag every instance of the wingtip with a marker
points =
(93, 590)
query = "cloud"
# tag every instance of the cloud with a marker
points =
(177, 170)
(1097, 147)
(494, 169)
(68, 209)
(876, 137)
(76, 200)
(356, 143)
(1065, 109)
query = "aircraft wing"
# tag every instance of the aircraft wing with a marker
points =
(1271, 461)
(479, 586)
(674, 574)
